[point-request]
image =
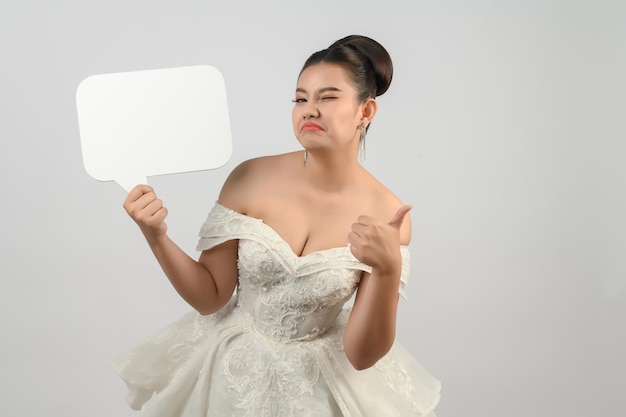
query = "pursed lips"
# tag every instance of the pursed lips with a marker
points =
(311, 126)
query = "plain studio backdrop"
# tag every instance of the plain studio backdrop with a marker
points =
(504, 127)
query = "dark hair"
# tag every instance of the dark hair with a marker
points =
(367, 62)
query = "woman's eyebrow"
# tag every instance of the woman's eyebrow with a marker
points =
(322, 90)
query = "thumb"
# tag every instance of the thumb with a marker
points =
(398, 218)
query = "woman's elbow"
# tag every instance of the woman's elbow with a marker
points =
(206, 307)
(362, 359)
(361, 364)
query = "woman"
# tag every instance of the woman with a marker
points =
(295, 235)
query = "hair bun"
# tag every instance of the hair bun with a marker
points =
(377, 56)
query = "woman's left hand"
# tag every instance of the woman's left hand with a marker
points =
(377, 243)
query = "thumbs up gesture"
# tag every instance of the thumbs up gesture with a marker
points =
(377, 243)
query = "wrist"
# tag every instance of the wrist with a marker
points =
(155, 239)
(391, 268)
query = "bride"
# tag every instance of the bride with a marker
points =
(291, 238)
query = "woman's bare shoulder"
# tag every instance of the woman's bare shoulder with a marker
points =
(387, 204)
(247, 178)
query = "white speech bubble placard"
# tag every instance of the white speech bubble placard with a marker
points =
(143, 123)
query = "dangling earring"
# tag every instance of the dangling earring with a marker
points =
(305, 156)
(362, 142)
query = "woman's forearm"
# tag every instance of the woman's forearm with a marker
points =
(190, 278)
(371, 329)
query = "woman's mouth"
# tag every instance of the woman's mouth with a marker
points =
(311, 126)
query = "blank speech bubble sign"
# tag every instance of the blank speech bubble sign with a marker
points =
(143, 123)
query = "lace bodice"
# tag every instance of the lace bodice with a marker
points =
(286, 297)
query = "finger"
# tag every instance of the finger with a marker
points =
(353, 238)
(355, 244)
(398, 218)
(152, 208)
(160, 215)
(142, 202)
(359, 230)
(138, 191)
(366, 220)
(137, 209)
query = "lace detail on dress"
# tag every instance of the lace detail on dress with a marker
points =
(273, 382)
(288, 307)
(399, 381)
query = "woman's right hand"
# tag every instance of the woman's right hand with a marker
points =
(143, 206)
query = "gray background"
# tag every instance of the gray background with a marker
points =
(504, 126)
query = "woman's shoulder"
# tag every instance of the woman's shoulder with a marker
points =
(260, 164)
(385, 204)
(248, 177)
(382, 197)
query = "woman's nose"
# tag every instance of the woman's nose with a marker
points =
(311, 111)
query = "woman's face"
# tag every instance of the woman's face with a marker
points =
(326, 113)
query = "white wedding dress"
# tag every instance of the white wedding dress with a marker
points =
(276, 348)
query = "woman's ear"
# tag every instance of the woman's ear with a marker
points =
(370, 106)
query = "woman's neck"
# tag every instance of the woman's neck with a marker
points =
(333, 172)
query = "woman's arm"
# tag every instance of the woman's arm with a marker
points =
(206, 284)
(371, 328)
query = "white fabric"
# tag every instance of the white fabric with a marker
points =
(276, 348)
